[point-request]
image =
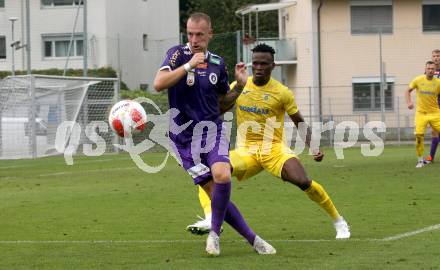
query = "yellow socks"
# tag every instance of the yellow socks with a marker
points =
(205, 201)
(317, 194)
(419, 145)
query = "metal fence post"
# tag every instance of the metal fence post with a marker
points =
(398, 121)
(1, 132)
(310, 105)
(116, 87)
(32, 119)
(238, 46)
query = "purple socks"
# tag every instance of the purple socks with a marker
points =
(434, 144)
(225, 210)
(235, 219)
(219, 204)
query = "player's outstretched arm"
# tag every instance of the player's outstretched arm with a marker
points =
(227, 101)
(408, 98)
(302, 126)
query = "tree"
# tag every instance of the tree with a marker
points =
(225, 24)
(223, 14)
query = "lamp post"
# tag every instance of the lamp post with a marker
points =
(13, 44)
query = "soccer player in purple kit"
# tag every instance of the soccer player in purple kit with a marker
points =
(198, 87)
(434, 134)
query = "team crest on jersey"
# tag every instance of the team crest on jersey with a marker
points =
(213, 78)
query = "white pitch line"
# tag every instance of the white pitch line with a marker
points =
(83, 161)
(87, 171)
(408, 234)
(174, 241)
(162, 241)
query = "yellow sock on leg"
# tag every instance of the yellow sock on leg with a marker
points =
(420, 147)
(205, 201)
(318, 194)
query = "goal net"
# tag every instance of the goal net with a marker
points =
(32, 107)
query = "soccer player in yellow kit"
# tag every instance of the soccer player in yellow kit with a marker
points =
(435, 57)
(260, 143)
(427, 110)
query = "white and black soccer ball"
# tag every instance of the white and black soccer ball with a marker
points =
(127, 117)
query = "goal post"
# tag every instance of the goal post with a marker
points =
(32, 107)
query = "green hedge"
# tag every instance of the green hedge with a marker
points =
(160, 99)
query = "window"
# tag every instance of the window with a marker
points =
(145, 42)
(373, 16)
(431, 15)
(2, 47)
(55, 3)
(2, 3)
(366, 95)
(58, 46)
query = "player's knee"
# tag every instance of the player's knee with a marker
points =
(221, 176)
(301, 181)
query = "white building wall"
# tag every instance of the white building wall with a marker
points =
(12, 9)
(106, 20)
(158, 21)
(52, 20)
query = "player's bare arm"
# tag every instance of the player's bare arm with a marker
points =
(165, 78)
(227, 101)
(297, 118)
(408, 98)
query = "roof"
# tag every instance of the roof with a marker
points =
(264, 7)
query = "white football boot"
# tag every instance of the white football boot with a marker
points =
(213, 244)
(203, 226)
(262, 247)
(420, 164)
(342, 229)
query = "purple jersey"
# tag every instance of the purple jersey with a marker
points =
(196, 94)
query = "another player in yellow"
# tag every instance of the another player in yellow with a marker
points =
(260, 143)
(427, 110)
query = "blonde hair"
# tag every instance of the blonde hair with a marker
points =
(198, 16)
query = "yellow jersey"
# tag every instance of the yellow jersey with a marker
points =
(260, 112)
(427, 92)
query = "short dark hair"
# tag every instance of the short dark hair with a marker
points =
(436, 51)
(430, 62)
(264, 48)
(197, 16)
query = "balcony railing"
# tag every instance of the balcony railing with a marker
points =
(285, 50)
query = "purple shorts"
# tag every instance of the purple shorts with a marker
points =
(198, 156)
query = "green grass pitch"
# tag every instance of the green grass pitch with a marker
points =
(104, 213)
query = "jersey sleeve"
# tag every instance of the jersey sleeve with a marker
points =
(223, 82)
(289, 102)
(173, 59)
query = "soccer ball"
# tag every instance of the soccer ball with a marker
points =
(127, 117)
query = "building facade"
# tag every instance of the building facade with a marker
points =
(129, 36)
(339, 46)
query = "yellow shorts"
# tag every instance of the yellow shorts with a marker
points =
(247, 163)
(422, 120)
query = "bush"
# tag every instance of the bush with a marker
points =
(160, 99)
